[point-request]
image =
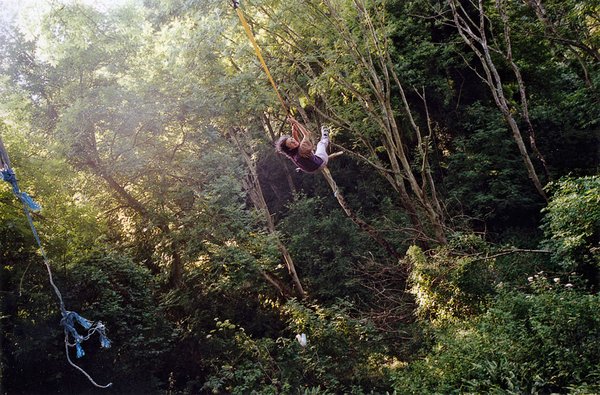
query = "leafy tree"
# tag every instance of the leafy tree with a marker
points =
(471, 21)
(571, 27)
(283, 365)
(312, 70)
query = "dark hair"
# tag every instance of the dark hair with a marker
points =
(283, 149)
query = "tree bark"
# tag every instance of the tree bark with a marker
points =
(500, 5)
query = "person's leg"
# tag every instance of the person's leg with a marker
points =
(321, 150)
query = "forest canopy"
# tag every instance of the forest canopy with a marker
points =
(451, 245)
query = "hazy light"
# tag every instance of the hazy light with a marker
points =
(29, 9)
(26, 14)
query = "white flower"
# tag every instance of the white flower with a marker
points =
(301, 339)
(530, 279)
(556, 280)
(569, 285)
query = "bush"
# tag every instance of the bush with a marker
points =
(449, 286)
(326, 247)
(30, 335)
(572, 225)
(342, 355)
(120, 293)
(540, 342)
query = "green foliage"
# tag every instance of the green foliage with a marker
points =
(572, 222)
(342, 354)
(460, 280)
(340, 349)
(446, 285)
(100, 287)
(486, 178)
(326, 246)
(68, 222)
(28, 312)
(120, 123)
(120, 293)
(564, 116)
(536, 342)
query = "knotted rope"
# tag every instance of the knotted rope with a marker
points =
(69, 318)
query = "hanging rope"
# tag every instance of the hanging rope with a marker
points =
(69, 318)
(238, 10)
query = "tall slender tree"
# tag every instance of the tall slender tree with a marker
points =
(475, 32)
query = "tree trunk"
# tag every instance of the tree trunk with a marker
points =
(475, 36)
(501, 6)
(380, 77)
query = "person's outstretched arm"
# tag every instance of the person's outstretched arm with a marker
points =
(306, 146)
(295, 132)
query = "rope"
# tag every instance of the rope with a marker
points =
(258, 52)
(9, 176)
(69, 318)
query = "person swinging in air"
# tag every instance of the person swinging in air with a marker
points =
(301, 151)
